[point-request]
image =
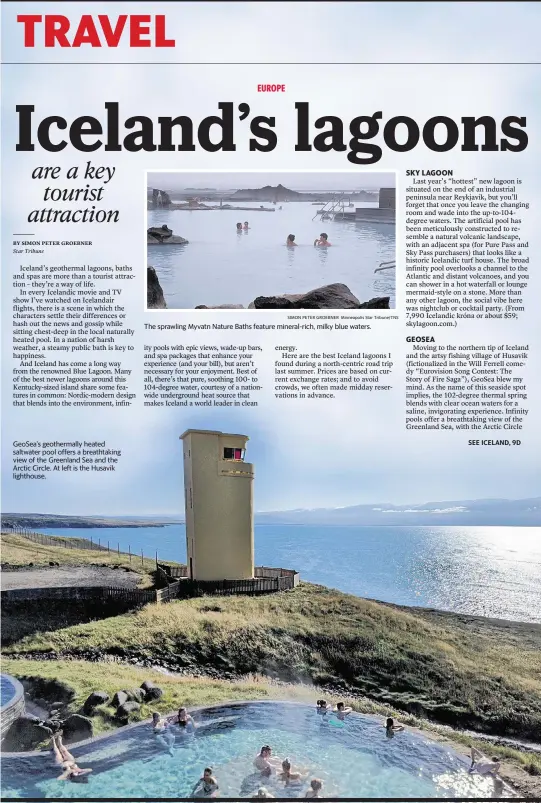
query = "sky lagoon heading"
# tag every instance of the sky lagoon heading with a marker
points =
(217, 133)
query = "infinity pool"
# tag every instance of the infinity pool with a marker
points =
(353, 759)
(7, 690)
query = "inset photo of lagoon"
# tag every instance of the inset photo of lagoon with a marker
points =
(275, 240)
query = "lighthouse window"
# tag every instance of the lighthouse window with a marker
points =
(233, 454)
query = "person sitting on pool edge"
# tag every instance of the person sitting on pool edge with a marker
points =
(207, 785)
(290, 242)
(315, 788)
(342, 710)
(64, 759)
(264, 762)
(322, 241)
(482, 765)
(391, 728)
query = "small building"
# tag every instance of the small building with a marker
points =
(387, 198)
(384, 212)
(218, 489)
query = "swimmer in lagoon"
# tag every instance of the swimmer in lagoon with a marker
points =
(342, 710)
(323, 241)
(315, 788)
(322, 706)
(289, 777)
(290, 240)
(206, 786)
(63, 758)
(185, 720)
(160, 728)
(391, 728)
(265, 762)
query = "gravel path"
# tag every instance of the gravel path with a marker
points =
(56, 576)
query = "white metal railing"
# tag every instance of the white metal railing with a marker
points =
(386, 266)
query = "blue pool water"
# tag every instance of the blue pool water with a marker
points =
(356, 760)
(220, 267)
(483, 571)
(7, 690)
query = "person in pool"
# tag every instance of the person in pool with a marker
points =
(160, 728)
(483, 765)
(239, 228)
(263, 792)
(206, 786)
(323, 240)
(287, 776)
(265, 762)
(290, 242)
(391, 728)
(185, 720)
(322, 706)
(63, 758)
(315, 788)
(246, 226)
(342, 710)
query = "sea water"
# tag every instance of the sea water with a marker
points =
(483, 571)
(219, 266)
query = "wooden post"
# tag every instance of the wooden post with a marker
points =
(118, 547)
(142, 560)
(156, 560)
(108, 547)
(129, 551)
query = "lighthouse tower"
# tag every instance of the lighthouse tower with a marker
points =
(218, 490)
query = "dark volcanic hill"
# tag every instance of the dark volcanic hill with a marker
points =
(281, 193)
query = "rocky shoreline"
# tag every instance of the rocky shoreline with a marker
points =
(330, 296)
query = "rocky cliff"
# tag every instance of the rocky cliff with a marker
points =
(155, 299)
(281, 193)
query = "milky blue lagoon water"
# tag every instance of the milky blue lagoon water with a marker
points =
(353, 759)
(219, 266)
(484, 571)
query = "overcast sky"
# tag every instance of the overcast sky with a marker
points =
(314, 182)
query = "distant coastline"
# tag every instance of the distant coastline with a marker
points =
(449, 513)
(28, 521)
